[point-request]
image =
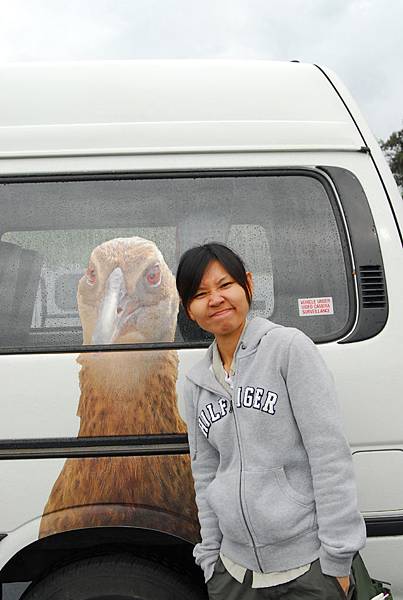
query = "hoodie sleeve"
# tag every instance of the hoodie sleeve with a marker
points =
(313, 399)
(205, 460)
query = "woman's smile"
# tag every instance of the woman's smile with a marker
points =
(221, 313)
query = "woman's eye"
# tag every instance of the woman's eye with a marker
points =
(226, 284)
(153, 276)
(199, 295)
(91, 275)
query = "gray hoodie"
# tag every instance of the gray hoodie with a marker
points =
(272, 468)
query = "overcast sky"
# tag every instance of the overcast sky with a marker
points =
(361, 40)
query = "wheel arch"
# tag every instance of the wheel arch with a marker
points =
(41, 556)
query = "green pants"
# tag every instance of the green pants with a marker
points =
(313, 585)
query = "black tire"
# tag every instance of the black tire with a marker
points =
(116, 577)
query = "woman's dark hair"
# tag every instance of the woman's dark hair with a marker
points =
(194, 262)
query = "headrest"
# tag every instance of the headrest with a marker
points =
(20, 271)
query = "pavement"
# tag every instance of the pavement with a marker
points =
(13, 591)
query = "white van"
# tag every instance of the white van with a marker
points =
(108, 172)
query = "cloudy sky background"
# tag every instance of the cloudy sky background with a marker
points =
(361, 40)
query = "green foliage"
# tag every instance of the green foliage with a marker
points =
(393, 149)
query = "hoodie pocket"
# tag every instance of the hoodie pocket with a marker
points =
(223, 496)
(275, 510)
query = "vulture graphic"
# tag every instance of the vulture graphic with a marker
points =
(127, 295)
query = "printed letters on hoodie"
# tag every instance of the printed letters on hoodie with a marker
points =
(256, 398)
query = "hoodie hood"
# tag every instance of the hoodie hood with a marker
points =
(202, 375)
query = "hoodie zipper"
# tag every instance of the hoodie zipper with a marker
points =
(240, 476)
(231, 410)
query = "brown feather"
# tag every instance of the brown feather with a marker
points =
(125, 393)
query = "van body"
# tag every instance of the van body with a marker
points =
(108, 172)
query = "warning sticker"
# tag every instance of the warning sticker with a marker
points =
(312, 307)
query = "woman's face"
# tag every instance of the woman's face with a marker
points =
(220, 305)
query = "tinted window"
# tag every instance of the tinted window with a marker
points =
(283, 225)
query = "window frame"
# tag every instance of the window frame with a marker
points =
(319, 173)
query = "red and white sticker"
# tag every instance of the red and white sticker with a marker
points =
(312, 307)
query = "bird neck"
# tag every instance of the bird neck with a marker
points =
(128, 393)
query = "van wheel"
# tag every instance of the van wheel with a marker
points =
(117, 577)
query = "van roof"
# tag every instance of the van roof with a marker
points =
(154, 106)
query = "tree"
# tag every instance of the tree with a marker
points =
(393, 149)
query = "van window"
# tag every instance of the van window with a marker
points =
(283, 225)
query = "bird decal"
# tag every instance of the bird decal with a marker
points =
(127, 296)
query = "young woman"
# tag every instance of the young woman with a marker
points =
(272, 469)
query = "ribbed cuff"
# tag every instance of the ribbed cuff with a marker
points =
(208, 572)
(336, 567)
(206, 559)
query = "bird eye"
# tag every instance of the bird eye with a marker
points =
(153, 276)
(91, 275)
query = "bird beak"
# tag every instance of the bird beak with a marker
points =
(111, 310)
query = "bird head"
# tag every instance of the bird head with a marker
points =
(128, 294)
